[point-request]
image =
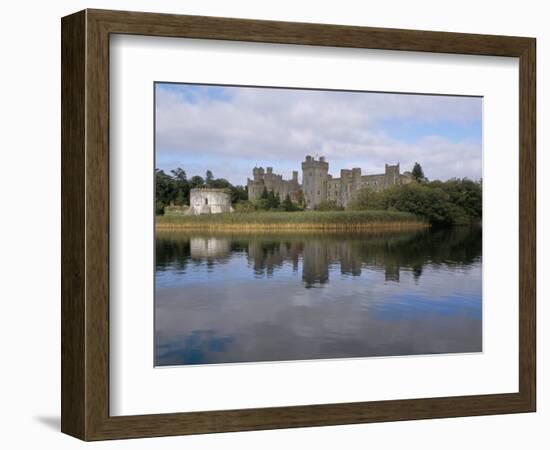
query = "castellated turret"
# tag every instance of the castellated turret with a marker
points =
(314, 181)
(392, 174)
(258, 173)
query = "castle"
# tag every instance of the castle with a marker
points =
(318, 186)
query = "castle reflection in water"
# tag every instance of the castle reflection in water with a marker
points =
(318, 254)
(249, 297)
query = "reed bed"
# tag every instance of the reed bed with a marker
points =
(288, 221)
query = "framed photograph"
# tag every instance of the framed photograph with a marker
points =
(271, 224)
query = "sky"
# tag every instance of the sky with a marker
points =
(231, 129)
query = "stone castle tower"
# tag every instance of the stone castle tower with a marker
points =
(314, 181)
(392, 174)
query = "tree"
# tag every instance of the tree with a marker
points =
(165, 190)
(219, 183)
(273, 200)
(367, 198)
(264, 195)
(245, 206)
(418, 173)
(422, 200)
(466, 194)
(328, 205)
(179, 174)
(451, 202)
(209, 177)
(287, 204)
(196, 182)
(238, 194)
(262, 204)
(181, 186)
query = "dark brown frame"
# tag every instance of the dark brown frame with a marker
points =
(85, 224)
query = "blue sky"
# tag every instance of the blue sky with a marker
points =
(229, 130)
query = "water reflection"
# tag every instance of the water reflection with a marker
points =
(234, 298)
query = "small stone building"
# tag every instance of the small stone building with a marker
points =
(209, 201)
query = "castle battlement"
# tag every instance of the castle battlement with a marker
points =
(319, 186)
(272, 182)
(311, 163)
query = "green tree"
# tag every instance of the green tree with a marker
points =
(179, 174)
(245, 206)
(262, 204)
(196, 182)
(239, 194)
(418, 173)
(465, 194)
(328, 205)
(181, 185)
(273, 200)
(287, 204)
(432, 203)
(367, 198)
(277, 202)
(450, 202)
(219, 183)
(209, 178)
(165, 190)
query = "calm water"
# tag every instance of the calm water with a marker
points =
(224, 298)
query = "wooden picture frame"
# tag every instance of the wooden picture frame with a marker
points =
(85, 224)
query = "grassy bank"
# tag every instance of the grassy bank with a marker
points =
(306, 220)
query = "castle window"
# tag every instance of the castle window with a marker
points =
(206, 201)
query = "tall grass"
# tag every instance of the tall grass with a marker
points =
(304, 220)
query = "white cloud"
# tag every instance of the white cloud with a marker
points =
(279, 127)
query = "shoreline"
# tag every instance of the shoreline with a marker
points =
(381, 226)
(313, 221)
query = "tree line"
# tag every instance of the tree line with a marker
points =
(271, 201)
(456, 201)
(173, 188)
